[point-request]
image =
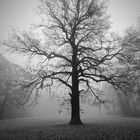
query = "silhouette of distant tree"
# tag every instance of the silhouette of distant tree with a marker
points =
(130, 69)
(11, 93)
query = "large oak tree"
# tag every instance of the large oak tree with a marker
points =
(73, 49)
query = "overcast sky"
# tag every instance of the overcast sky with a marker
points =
(19, 14)
(124, 13)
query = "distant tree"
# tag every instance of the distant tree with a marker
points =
(8, 96)
(129, 68)
(11, 93)
(71, 50)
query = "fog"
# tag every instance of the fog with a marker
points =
(49, 108)
(50, 105)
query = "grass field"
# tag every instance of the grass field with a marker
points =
(103, 128)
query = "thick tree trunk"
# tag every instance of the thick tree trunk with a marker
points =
(75, 103)
(2, 107)
(75, 110)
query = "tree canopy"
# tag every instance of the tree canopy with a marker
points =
(72, 49)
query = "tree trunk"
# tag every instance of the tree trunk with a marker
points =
(3, 106)
(75, 110)
(75, 103)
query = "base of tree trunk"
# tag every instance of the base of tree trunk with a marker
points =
(75, 122)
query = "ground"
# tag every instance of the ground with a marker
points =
(98, 128)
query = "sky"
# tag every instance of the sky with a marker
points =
(124, 13)
(20, 14)
(16, 14)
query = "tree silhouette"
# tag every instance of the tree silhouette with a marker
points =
(130, 68)
(73, 47)
(11, 93)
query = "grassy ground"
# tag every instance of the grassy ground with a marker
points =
(103, 128)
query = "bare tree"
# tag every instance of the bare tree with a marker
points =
(73, 52)
(11, 92)
(130, 67)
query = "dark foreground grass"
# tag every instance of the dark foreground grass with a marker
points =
(97, 130)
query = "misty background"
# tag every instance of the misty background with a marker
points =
(21, 14)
